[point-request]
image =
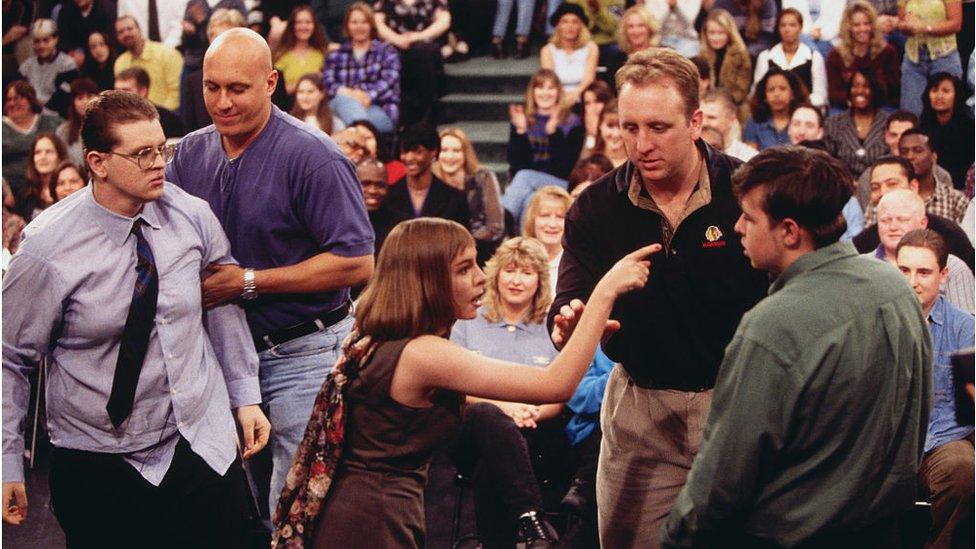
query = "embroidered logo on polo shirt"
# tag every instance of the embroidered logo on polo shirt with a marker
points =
(713, 238)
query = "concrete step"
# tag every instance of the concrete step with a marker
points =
(477, 106)
(487, 75)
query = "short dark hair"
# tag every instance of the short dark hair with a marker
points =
(590, 169)
(108, 110)
(420, 135)
(704, 70)
(902, 115)
(806, 185)
(138, 74)
(65, 165)
(928, 239)
(814, 108)
(906, 166)
(879, 90)
(917, 131)
(24, 89)
(760, 107)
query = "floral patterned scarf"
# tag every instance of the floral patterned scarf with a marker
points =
(318, 456)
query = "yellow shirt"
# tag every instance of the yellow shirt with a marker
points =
(931, 12)
(294, 66)
(164, 65)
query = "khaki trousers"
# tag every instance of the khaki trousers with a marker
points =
(650, 438)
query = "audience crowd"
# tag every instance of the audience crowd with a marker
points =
(883, 89)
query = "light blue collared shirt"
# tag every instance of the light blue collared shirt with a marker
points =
(952, 330)
(66, 297)
(522, 343)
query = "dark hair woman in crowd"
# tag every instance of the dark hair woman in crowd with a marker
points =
(395, 393)
(595, 97)
(609, 140)
(777, 94)
(856, 136)
(83, 90)
(862, 45)
(312, 104)
(47, 152)
(23, 120)
(68, 178)
(945, 118)
(99, 62)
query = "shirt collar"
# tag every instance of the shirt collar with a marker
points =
(879, 252)
(937, 314)
(701, 196)
(813, 261)
(116, 226)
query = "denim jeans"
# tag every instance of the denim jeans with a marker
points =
(291, 375)
(685, 46)
(349, 110)
(519, 192)
(523, 17)
(551, 9)
(915, 76)
(821, 46)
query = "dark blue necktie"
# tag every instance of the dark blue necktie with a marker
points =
(135, 337)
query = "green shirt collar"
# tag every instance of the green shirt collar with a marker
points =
(812, 261)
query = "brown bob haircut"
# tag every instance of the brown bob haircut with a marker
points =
(410, 293)
(805, 185)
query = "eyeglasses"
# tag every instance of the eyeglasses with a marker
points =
(147, 157)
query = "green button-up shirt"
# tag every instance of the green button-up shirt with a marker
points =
(820, 409)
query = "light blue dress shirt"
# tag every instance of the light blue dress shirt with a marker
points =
(66, 296)
(521, 343)
(952, 330)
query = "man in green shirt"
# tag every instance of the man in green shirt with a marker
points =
(821, 406)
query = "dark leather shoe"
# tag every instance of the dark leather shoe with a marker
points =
(521, 48)
(498, 49)
(576, 498)
(535, 532)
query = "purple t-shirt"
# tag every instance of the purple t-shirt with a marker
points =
(290, 196)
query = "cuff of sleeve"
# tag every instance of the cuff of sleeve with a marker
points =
(242, 392)
(13, 467)
(359, 249)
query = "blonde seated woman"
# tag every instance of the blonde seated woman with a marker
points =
(638, 30)
(545, 220)
(458, 166)
(497, 437)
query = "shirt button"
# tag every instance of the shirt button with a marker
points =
(510, 328)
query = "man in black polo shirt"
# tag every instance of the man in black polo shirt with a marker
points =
(676, 191)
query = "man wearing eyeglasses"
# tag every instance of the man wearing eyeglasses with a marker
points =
(144, 385)
(293, 211)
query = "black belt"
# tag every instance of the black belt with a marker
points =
(277, 337)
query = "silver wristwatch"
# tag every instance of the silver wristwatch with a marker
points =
(250, 289)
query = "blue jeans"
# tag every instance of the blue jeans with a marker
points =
(291, 375)
(349, 110)
(685, 46)
(915, 76)
(523, 17)
(821, 46)
(551, 9)
(520, 189)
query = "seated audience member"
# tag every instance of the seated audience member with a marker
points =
(856, 137)
(955, 237)
(311, 104)
(704, 78)
(545, 221)
(23, 119)
(755, 19)
(595, 97)
(83, 90)
(720, 113)
(571, 53)
(946, 471)
(47, 152)
(792, 55)
(352, 144)
(638, 31)
(79, 19)
(729, 64)
(898, 123)
(363, 75)
(99, 63)
(609, 141)
(677, 23)
(806, 124)
(457, 165)
(136, 80)
(947, 121)
(192, 106)
(585, 172)
(931, 27)
(900, 212)
(13, 224)
(49, 70)
(777, 95)
(301, 48)
(68, 178)
(861, 44)
(164, 23)
(853, 215)
(605, 22)
(415, 28)
(523, 24)
(497, 438)
(372, 175)
(162, 63)
(544, 142)
(420, 193)
(197, 19)
(821, 22)
(378, 145)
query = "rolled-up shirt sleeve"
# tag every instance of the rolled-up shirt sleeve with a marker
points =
(32, 310)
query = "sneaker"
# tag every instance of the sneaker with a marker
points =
(535, 532)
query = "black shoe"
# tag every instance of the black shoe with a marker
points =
(521, 48)
(576, 498)
(498, 49)
(535, 532)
